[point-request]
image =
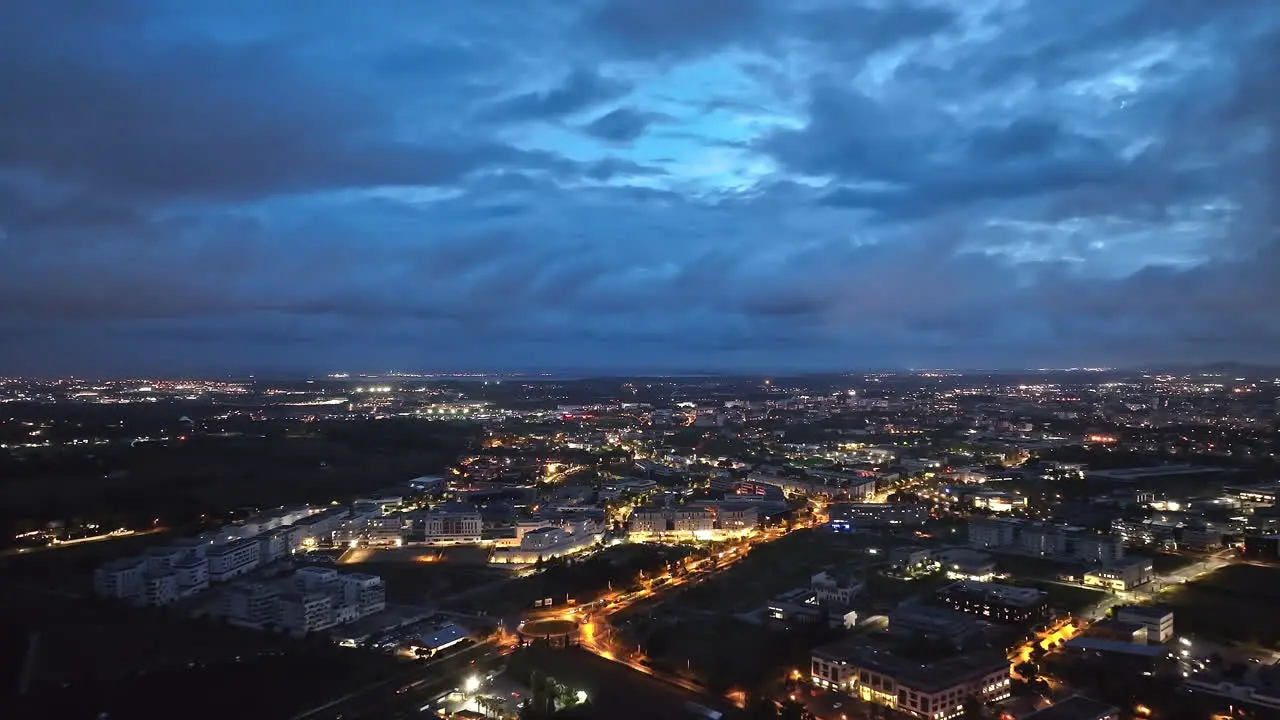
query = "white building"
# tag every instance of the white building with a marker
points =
(1122, 575)
(1156, 619)
(250, 604)
(302, 613)
(273, 545)
(232, 559)
(695, 521)
(385, 530)
(192, 574)
(123, 579)
(992, 532)
(365, 594)
(831, 590)
(162, 589)
(1102, 549)
(452, 525)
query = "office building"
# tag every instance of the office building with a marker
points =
(917, 620)
(995, 602)
(927, 691)
(836, 591)
(452, 524)
(1122, 575)
(1157, 619)
(962, 564)
(847, 516)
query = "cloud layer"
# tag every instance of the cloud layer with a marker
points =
(625, 186)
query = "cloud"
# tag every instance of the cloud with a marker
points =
(580, 90)
(622, 186)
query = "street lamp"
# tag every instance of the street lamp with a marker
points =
(471, 685)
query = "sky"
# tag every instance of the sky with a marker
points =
(199, 186)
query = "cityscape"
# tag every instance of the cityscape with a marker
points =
(925, 545)
(639, 360)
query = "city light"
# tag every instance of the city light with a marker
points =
(471, 685)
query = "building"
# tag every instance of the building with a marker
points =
(123, 579)
(232, 559)
(253, 605)
(1122, 575)
(1140, 533)
(694, 521)
(305, 612)
(366, 593)
(384, 530)
(847, 516)
(839, 592)
(736, 517)
(1076, 707)
(1042, 539)
(1097, 548)
(916, 620)
(193, 574)
(452, 524)
(962, 564)
(995, 602)
(161, 589)
(438, 640)
(929, 691)
(1112, 629)
(992, 532)
(647, 520)
(1157, 619)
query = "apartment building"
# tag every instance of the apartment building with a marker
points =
(648, 520)
(992, 532)
(693, 521)
(123, 579)
(253, 605)
(232, 559)
(847, 516)
(306, 612)
(928, 691)
(829, 589)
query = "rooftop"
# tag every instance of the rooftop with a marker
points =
(926, 677)
(1009, 594)
(1076, 707)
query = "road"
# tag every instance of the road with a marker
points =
(406, 692)
(61, 544)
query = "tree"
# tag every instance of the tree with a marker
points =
(792, 710)
(1028, 670)
(974, 709)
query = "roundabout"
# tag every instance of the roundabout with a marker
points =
(554, 627)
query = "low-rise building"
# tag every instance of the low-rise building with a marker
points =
(836, 591)
(249, 604)
(1123, 575)
(995, 602)
(929, 691)
(917, 620)
(962, 564)
(452, 524)
(302, 613)
(1157, 619)
(846, 516)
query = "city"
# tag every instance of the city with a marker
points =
(639, 359)
(932, 545)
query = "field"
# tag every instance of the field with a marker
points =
(427, 583)
(1070, 598)
(1029, 566)
(616, 691)
(1234, 604)
(141, 663)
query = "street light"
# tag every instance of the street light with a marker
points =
(471, 685)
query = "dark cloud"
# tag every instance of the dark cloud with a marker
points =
(622, 124)
(580, 90)
(192, 188)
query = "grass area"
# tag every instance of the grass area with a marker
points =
(616, 691)
(1233, 604)
(96, 657)
(1029, 566)
(775, 567)
(581, 580)
(886, 591)
(1069, 598)
(1165, 563)
(418, 583)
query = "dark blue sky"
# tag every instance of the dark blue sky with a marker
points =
(190, 185)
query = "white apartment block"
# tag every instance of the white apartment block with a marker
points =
(251, 604)
(162, 589)
(992, 533)
(302, 613)
(693, 521)
(386, 530)
(233, 559)
(827, 588)
(123, 579)
(192, 574)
